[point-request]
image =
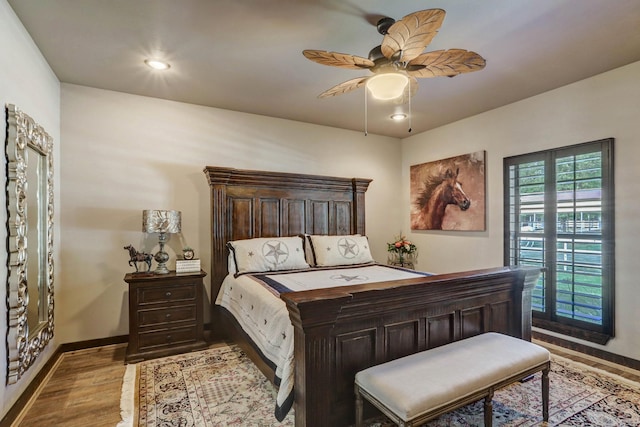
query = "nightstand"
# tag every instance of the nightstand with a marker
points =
(165, 314)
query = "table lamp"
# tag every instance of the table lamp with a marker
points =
(163, 222)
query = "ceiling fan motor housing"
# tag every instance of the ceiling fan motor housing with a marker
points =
(375, 54)
(382, 63)
(384, 24)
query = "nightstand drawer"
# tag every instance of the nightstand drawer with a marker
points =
(167, 337)
(151, 295)
(163, 315)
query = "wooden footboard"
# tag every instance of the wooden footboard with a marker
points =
(341, 331)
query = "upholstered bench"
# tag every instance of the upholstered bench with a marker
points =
(416, 388)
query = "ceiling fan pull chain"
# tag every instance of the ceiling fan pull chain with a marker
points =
(410, 115)
(365, 112)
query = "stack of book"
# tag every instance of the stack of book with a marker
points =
(187, 266)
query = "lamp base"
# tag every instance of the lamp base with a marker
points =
(162, 257)
(161, 269)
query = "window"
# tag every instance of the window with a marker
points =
(559, 214)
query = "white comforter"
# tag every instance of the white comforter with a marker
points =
(264, 316)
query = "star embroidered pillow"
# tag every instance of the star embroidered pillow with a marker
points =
(332, 251)
(267, 254)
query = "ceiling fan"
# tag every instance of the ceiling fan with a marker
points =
(400, 57)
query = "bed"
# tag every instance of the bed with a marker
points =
(341, 330)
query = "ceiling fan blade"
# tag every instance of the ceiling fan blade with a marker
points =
(409, 36)
(448, 63)
(344, 87)
(335, 59)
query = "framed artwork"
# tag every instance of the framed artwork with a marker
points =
(449, 194)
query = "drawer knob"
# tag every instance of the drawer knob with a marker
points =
(168, 338)
(168, 315)
(168, 294)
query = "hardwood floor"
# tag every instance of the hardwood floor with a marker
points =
(612, 368)
(83, 390)
(84, 387)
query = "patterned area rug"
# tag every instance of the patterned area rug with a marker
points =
(222, 387)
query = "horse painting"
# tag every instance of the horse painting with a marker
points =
(438, 193)
(135, 257)
(438, 200)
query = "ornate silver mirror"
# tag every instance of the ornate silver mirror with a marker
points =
(30, 241)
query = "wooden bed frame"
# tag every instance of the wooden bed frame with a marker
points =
(340, 331)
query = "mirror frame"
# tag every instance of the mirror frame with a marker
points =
(24, 346)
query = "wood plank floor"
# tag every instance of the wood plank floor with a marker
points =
(84, 388)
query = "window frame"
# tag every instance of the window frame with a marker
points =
(548, 319)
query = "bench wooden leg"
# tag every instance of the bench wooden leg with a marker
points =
(359, 414)
(545, 393)
(488, 409)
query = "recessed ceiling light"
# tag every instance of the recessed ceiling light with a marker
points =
(157, 64)
(398, 116)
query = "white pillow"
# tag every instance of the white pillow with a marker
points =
(267, 254)
(332, 251)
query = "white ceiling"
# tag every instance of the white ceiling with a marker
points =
(246, 55)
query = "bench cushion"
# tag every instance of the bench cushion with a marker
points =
(421, 382)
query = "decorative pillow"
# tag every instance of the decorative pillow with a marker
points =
(331, 251)
(267, 254)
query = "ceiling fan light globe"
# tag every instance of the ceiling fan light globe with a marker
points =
(387, 86)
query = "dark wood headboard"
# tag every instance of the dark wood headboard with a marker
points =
(246, 204)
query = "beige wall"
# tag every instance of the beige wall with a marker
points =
(27, 82)
(123, 154)
(607, 105)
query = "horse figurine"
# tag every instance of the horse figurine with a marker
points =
(136, 257)
(438, 193)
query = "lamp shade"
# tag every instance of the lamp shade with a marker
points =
(387, 86)
(158, 221)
